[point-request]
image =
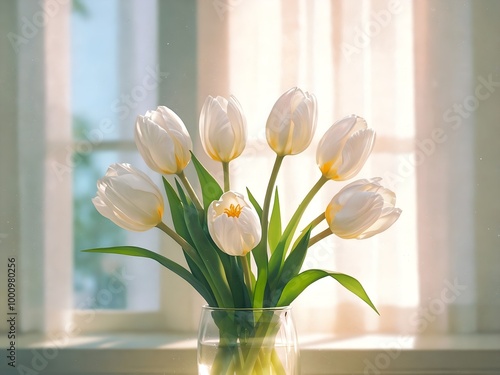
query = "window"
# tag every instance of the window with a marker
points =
(106, 96)
(424, 76)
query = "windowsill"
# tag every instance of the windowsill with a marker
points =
(477, 354)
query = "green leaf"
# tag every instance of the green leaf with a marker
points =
(177, 213)
(255, 204)
(291, 266)
(209, 253)
(239, 290)
(210, 188)
(171, 265)
(182, 195)
(274, 233)
(278, 256)
(259, 253)
(300, 282)
(259, 293)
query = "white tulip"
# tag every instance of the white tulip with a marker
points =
(362, 209)
(163, 141)
(344, 148)
(233, 224)
(129, 198)
(223, 128)
(292, 122)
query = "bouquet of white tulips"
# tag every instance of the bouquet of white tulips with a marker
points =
(237, 254)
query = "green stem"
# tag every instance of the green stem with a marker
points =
(316, 221)
(311, 225)
(300, 210)
(190, 191)
(319, 237)
(225, 169)
(246, 274)
(193, 254)
(177, 238)
(276, 362)
(264, 337)
(267, 199)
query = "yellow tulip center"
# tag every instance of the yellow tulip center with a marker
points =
(233, 211)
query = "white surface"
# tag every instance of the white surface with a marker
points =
(158, 353)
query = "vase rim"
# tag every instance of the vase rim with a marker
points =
(279, 308)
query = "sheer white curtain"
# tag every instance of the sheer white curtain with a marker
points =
(36, 164)
(400, 65)
(459, 218)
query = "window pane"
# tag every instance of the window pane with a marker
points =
(103, 136)
(107, 281)
(94, 271)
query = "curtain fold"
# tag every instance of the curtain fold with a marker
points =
(401, 66)
(444, 76)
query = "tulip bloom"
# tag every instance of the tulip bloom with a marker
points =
(344, 148)
(163, 141)
(292, 122)
(223, 128)
(362, 209)
(129, 198)
(233, 224)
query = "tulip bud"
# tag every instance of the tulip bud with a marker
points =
(233, 224)
(362, 209)
(163, 141)
(223, 128)
(129, 198)
(344, 148)
(292, 122)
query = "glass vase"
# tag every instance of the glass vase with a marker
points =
(247, 341)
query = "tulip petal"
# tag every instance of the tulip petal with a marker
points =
(302, 136)
(129, 198)
(355, 153)
(337, 155)
(141, 207)
(358, 214)
(291, 123)
(163, 141)
(382, 224)
(222, 128)
(156, 147)
(235, 235)
(362, 209)
(228, 237)
(239, 122)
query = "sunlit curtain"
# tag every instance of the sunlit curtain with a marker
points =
(384, 61)
(457, 78)
(35, 154)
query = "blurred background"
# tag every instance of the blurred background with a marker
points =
(425, 75)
